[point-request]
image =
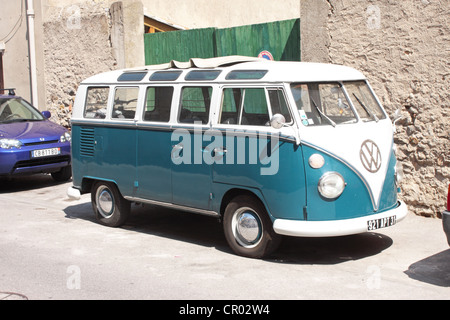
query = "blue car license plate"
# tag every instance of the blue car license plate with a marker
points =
(45, 153)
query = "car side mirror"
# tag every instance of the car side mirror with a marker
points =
(46, 114)
(277, 121)
(397, 116)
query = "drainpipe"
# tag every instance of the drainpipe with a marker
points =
(32, 48)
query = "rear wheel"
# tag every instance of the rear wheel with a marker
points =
(248, 228)
(110, 208)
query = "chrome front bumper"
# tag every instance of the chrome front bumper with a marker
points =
(336, 228)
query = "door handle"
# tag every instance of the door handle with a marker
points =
(177, 147)
(219, 153)
(220, 150)
(177, 151)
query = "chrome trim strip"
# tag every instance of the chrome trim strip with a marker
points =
(242, 131)
(252, 132)
(175, 206)
(102, 123)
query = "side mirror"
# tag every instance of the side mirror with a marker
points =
(46, 114)
(397, 116)
(277, 121)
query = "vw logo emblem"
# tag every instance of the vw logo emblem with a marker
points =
(370, 156)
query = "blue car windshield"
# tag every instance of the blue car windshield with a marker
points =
(18, 110)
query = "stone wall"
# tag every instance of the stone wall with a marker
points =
(403, 47)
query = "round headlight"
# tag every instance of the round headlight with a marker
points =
(331, 185)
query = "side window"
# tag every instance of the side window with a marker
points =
(256, 111)
(249, 106)
(231, 104)
(278, 104)
(125, 102)
(96, 103)
(158, 103)
(244, 106)
(195, 104)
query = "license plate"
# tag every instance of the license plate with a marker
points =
(45, 152)
(381, 223)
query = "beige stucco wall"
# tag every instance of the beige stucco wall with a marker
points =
(194, 14)
(403, 48)
(16, 56)
(85, 37)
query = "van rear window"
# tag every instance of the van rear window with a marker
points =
(96, 102)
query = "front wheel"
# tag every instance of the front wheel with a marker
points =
(110, 208)
(248, 229)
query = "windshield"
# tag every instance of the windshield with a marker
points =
(17, 110)
(327, 104)
(364, 101)
(322, 104)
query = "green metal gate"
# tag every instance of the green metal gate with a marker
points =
(280, 38)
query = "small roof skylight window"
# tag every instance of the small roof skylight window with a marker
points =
(132, 76)
(165, 75)
(203, 75)
(246, 74)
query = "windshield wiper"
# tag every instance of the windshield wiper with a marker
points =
(323, 114)
(373, 115)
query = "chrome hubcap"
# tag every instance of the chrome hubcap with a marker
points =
(105, 202)
(247, 227)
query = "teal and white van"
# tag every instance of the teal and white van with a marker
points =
(270, 148)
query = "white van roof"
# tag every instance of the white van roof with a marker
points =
(277, 71)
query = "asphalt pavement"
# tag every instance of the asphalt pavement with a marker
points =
(51, 248)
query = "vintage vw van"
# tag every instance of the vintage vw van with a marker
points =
(270, 148)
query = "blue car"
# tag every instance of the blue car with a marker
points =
(29, 142)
